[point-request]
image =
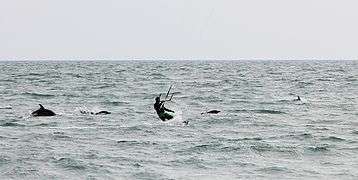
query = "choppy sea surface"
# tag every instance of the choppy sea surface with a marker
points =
(260, 133)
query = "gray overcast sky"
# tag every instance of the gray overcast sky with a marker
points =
(178, 29)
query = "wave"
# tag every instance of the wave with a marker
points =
(194, 162)
(325, 79)
(116, 103)
(274, 169)
(246, 139)
(42, 125)
(37, 94)
(302, 83)
(71, 95)
(265, 111)
(4, 160)
(35, 74)
(61, 136)
(133, 142)
(71, 164)
(51, 124)
(201, 148)
(157, 75)
(30, 74)
(241, 111)
(230, 149)
(306, 135)
(145, 175)
(240, 101)
(74, 75)
(333, 138)
(323, 148)
(294, 136)
(351, 79)
(336, 70)
(267, 103)
(8, 80)
(12, 124)
(275, 73)
(260, 111)
(284, 101)
(104, 86)
(6, 107)
(261, 148)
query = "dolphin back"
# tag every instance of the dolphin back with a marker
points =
(43, 112)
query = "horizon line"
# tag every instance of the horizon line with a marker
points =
(158, 59)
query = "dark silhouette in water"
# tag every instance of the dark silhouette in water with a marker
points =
(298, 98)
(212, 112)
(43, 112)
(101, 112)
(97, 113)
(161, 110)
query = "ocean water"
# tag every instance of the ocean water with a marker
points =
(260, 133)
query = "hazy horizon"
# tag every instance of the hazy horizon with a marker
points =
(178, 30)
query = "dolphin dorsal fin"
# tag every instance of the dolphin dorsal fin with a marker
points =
(41, 107)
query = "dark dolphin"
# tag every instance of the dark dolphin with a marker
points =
(298, 98)
(212, 112)
(43, 112)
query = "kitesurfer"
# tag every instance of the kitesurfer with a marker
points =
(161, 110)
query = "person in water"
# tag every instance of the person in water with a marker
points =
(161, 110)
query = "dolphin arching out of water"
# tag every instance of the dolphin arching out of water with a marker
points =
(43, 112)
(212, 112)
